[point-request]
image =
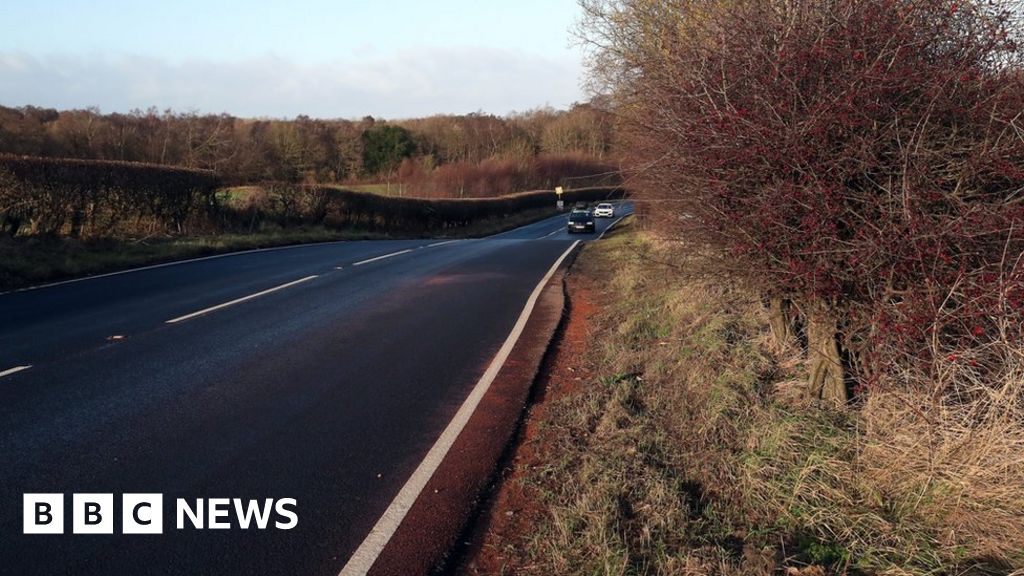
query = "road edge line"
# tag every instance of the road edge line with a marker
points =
(612, 225)
(370, 549)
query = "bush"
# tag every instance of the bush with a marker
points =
(862, 158)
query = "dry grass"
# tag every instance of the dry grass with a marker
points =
(695, 455)
(954, 455)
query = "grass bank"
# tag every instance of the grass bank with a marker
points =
(687, 449)
(31, 261)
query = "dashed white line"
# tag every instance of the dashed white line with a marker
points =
(240, 300)
(382, 257)
(14, 370)
(368, 552)
(176, 263)
(550, 234)
(440, 243)
(538, 224)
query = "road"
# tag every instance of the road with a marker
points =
(322, 373)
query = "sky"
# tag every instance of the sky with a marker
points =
(280, 59)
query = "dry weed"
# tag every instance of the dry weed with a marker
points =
(697, 455)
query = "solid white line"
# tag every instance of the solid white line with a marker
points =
(441, 243)
(377, 539)
(175, 263)
(382, 257)
(239, 300)
(612, 225)
(14, 370)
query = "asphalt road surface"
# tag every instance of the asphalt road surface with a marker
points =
(328, 386)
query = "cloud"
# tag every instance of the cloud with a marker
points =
(407, 84)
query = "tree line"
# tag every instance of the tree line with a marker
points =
(303, 149)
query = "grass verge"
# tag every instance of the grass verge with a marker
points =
(690, 451)
(36, 260)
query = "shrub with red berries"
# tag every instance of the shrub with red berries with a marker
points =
(865, 156)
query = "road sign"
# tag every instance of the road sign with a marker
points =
(559, 190)
(561, 205)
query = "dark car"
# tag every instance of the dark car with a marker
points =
(581, 221)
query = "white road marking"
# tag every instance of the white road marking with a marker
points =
(520, 229)
(382, 257)
(440, 243)
(14, 370)
(240, 300)
(175, 263)
(612, 225)
(368, 552)
(550, 234)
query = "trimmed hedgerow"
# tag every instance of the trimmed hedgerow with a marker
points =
(89, 198)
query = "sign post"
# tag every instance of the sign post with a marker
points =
(558, 192)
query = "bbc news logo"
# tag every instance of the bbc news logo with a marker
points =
(144, 513)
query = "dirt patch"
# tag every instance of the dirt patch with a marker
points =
(506, 524)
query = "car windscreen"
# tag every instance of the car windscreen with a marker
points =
(579, 216)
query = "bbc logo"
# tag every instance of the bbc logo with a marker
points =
(144, 513)
(93, 513)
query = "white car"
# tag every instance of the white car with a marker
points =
(604, 210)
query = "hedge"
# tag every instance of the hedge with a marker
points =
(100, 198)
(340, 208)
